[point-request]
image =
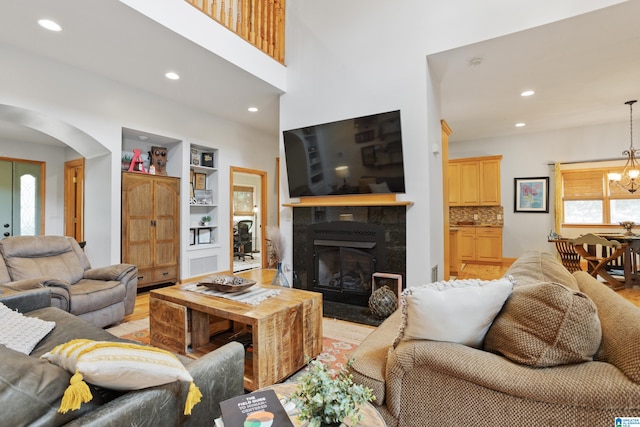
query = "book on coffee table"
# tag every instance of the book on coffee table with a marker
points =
(258, 409)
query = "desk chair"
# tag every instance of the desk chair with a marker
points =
(599, 252)
(242, 239)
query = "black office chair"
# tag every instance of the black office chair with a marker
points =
(243, 239)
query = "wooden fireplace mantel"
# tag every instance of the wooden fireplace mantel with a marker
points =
(350, 200)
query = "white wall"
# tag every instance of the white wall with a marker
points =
(529, 155)
(101, 108)
(349, 59)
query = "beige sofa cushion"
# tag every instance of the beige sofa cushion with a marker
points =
(538, 267)
(546, 324)
(620, 332)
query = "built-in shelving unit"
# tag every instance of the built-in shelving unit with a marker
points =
(203, 229)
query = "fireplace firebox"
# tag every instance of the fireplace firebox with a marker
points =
(343, 256)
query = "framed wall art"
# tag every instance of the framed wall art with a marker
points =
(204, 236)
(531, 195)
(200, 181)
(369, 155)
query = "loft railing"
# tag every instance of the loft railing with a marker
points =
(260, 22)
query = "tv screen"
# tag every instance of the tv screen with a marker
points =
(354, 156)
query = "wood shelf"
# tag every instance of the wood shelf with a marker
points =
(349, 200)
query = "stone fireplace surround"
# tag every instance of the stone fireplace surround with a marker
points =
(391, 219)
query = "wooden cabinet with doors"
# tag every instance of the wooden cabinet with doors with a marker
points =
(151, 227)
(481, 244)
(474, 181)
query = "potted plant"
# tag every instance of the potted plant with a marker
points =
(205, 220)
(326, 400)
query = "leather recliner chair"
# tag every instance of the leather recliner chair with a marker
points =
(102, 296)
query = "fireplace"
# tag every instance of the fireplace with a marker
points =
(350, 243)
(343, 256)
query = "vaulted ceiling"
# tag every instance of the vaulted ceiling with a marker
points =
(583, 69)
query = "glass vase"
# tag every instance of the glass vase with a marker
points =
(280, 279)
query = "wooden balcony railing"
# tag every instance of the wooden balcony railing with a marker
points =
(260, 22)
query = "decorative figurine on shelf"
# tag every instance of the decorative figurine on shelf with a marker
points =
(159, 160)
(137, 164)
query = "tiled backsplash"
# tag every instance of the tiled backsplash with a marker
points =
(486, 214)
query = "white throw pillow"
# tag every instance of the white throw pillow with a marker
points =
(118, 366)
(459, 311)
(22, 333)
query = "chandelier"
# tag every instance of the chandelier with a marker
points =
(628, 179)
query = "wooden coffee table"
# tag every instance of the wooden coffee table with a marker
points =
(283, 329)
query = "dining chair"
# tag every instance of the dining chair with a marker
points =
(599, 252)
(568, 255)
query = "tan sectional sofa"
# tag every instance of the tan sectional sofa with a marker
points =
(102, 296)
(423, 382)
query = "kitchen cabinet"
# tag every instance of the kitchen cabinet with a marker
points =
(151, 226)
(481, 244)
(475, 181)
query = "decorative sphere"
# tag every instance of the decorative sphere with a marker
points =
(383, 302)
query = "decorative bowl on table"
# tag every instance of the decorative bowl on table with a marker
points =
(628, 226)
(227, 283)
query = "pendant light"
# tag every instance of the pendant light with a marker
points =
(628, 179)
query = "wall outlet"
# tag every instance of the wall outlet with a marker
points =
(475, 217)
(499, 217)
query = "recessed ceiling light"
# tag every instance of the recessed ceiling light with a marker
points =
(528, 93)
(49, 25)
(172, 76)
(520, 125)
(252, 109)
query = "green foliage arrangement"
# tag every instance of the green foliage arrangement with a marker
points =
(323, 399)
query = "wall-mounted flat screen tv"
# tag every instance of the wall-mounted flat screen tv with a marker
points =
(354, 156)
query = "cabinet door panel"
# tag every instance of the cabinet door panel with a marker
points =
(139, 199)
(469, 173)
(166, 198)
(489, 246)
(467, 244)
(490, 183)
(454, 184)
(140, 255)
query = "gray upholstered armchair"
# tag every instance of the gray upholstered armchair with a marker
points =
(102, 296)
